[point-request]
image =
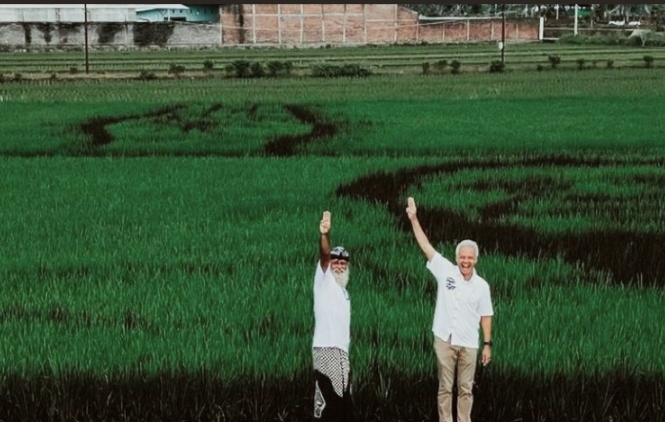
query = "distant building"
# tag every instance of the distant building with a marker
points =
(162, 13)
(53, 13)
(45, 13)
(197, 13)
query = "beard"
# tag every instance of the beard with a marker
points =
(342, 278)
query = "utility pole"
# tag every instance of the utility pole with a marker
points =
(85, 26)
(503, 32)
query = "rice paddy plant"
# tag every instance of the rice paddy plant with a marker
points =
(471, 116)
(486, 121)
(561, 329)
(516, 85)
(154, 251)
(624, 197)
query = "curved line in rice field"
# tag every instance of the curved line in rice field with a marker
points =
(96, 128)
(282, 146)
(635, 258)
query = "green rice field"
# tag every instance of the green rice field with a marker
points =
(159, 241)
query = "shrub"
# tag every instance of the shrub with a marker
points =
(456, 65)
(425, 67)
(573, 39)
(145, 75)
(208, 65)
(648, 61)
(497, 66)
(256, 70)
(580, 63)
(276, 68)
(610, 63)
(332, 71)
(440, 65)
(73, 70)
(554, 59)
(241, 68)
(640, 37)
(176, 69)
(613, 39)
(540, 68)
(354, 70)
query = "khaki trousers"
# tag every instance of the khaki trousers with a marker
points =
(451, 361)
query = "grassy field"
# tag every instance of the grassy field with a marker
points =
(160, 239)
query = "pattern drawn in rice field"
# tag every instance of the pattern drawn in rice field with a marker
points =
(605, 243)
(276, 130)
(533, 214)
(287, 145)
(97, 128)
(505, 209)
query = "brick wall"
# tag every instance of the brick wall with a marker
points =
(353, 24)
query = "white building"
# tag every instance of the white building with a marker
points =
(161, 12)
(74, 12)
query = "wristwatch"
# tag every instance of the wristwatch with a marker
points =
(488, 343)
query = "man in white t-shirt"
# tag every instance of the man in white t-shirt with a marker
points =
(332, 332)
(463, 304)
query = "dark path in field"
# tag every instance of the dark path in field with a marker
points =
(284, 146)
(205, 396)
(626, 256)
(96, 129)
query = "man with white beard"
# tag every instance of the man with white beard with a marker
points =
(332, 332)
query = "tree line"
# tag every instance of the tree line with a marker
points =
(598, 12)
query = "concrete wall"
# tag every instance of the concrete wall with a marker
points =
(110, 35)
(66, 13)
(283, 25)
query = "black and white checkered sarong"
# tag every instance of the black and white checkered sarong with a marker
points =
(334, 364)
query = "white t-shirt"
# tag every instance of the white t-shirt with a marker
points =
(332, 311)
(459, 303)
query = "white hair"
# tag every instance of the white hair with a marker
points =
(467, 242)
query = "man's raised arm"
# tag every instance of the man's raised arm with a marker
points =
(324, 246)
(423, 242)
